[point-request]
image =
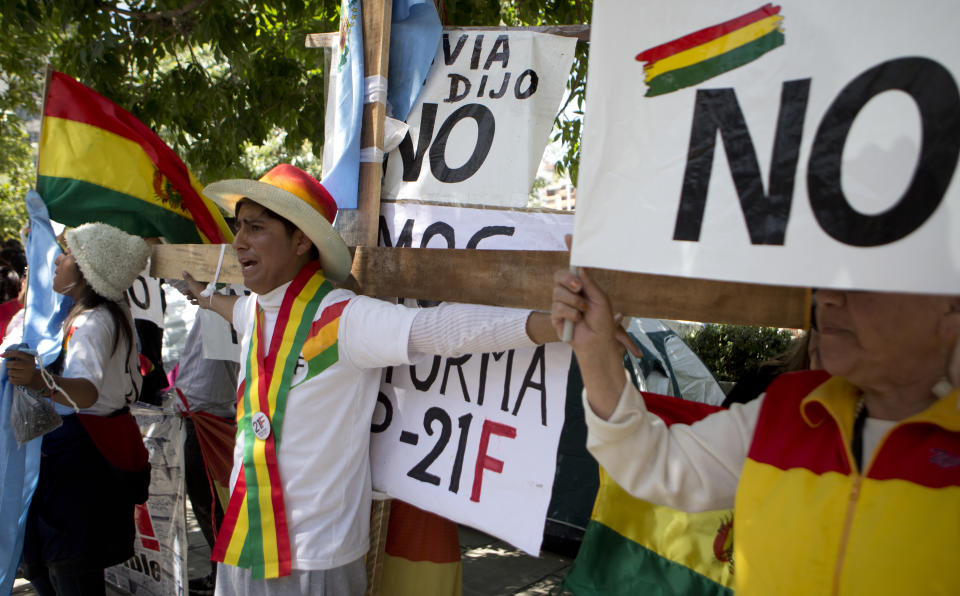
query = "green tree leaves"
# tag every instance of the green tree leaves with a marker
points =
(732, 351)
(221, 81)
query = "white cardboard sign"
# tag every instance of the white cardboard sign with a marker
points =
(474, 438)
(807, 143)
(482, 119)
(145, 298)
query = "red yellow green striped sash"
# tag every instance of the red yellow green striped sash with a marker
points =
(254, 532)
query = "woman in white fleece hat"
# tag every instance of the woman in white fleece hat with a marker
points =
(94, 467)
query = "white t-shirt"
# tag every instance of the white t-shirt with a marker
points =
(90, 356)
(324, 451)
(323, 454)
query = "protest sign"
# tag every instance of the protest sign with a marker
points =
(146, 298)
(474, 438)
(159, 563)
(482, 120)
(799, 143)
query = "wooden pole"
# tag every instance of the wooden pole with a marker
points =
(524, 279)
(359, 226)
(47, 74)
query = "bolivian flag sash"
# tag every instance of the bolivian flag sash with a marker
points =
(254, 532)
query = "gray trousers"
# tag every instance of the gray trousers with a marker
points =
(348, 580)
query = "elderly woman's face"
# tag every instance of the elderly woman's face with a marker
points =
(882, 338)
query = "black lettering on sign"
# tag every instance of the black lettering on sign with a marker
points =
(934, 91)
(464, 423)
(487, 232)
(442, 229)
(766, 215)
(455, 93)
(404, 239)
(505, 401)
(425, 384)
(499, 53)
(503, 87)
(539, 362)
(413, 160)
(532, 81)
(483, 85)
(384, 401)
(419, 471)
(458, 363)
(448, 57)
(485, 130)
(142, 303)
(477, 48)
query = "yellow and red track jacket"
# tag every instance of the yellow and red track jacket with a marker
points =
(808, 522)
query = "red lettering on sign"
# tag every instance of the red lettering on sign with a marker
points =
(484, 461)
(145, 528)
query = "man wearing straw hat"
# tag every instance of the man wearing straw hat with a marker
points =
(298, 517)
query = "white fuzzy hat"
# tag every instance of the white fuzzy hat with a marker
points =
(109, 259)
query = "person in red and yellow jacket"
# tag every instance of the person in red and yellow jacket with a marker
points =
(844, 481)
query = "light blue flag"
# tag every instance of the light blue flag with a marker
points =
(42, 331)
(342, 179)
(415, 34)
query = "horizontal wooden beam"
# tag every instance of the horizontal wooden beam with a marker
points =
(581, 32)
(524, 279)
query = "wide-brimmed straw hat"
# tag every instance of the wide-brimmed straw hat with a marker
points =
(109, 258)
(298, 197)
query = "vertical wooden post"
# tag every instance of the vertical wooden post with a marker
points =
(359, 227)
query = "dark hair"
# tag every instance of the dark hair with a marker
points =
(16, 258)
(88, 300)
(9, 283)
(287, 224)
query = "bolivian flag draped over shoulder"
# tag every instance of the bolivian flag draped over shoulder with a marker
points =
(99, 163)
(635, 547)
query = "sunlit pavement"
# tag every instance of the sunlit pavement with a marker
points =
(490, 567)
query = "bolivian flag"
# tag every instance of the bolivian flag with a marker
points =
(712, 51)
(634, 547)
(99, 163)
(422, 554)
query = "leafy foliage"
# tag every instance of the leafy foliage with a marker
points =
(228, 84)
(211, 76)
(16, 177)
(733, 351)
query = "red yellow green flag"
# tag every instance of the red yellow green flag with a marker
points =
(635, 547)
(422, 554)
(99, 163)
(711, 51)
(254, 531)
